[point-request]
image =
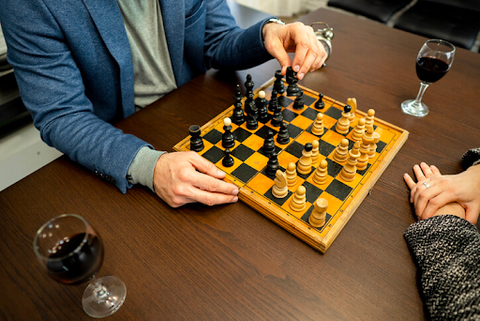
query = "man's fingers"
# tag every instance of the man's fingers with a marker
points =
(408, 179)
(210, 184)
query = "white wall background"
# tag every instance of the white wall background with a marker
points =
(283, 8)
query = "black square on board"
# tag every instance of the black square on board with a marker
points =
(244, 172)
(308, 100)
(289, 115)
(334, 112)
(363, 171)
(279, 201)
(310, 113)
(264, 172)
(313, 192)
(240, 134)
(284, 101)
(294, 131)
(380, 146)
(307, 214)
(277, 150)
(242, 152)
(334, 168)
(214, 154)
(295, 149)
(325, 148)
(309, 130)
(262, 132)
(213, 136)
(338, 190)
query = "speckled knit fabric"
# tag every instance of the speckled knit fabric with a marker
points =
(446, 249)
(471, 157)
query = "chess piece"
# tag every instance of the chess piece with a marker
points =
(299, 102)
(352, 102)
(292, 80)
(196, 142)
(238, 116)
(268, 143)
(277, 118)
(261, 104)
(249, 104)
(319, 213)
(370, 117)
(343, 124)
(280, 189)
(359, 130)
(249, 84)
(315, 152)
(367, 139)
(227, 160)
(304, 165)
(320, 104)
(252, 117)
(321, 173)
(291, 174)
(283, 136)
(272, 105)
(373, 146)
(278, 85)
(341, 152)
(228, 140)
(318, 128)
(299, 199)
(272, 164)
(350, 168)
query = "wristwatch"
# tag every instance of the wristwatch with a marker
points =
(271, 20)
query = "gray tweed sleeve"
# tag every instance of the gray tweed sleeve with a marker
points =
(446, 250)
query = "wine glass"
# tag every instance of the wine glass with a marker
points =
(72, 252)
(433, 61)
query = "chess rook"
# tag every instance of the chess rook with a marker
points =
(319, 213)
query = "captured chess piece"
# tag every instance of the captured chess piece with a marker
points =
(280, 189)
(291, 174)
(261, 104)
(318, 128)
(320, 104)
(343, 124)
(238, 116)
(272, 164)
(304, 165)
(319, 213)
(227, 160)
(196, 142)
(278, 85)
(228, 140)
(269, 143)
(298, 202)
(283, 136)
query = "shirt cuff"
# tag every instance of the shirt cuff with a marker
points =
(142, 167)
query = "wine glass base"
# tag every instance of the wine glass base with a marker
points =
(411, 107)
(104, 296)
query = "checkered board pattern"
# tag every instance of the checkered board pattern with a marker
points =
(248, 171)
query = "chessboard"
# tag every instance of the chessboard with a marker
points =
(250, 173)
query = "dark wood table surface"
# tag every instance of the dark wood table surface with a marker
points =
(229, 262)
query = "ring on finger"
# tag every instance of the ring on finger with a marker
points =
(426, 185)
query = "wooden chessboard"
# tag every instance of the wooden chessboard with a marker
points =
(255, 186)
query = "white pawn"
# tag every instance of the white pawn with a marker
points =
(280, 189)
(319, 213)
(370, 118)
(341, 152)
(315, 152)
(350, 169)
(359, 130)
(291, 174)
(320, 175)
(299, 199)
(373, 145)
(318, 128)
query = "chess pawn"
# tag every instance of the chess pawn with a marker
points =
(280, 189)
(359, 130)
(319, 213)
(261, 104)
(227, 160)
(196, 142)
(318, 128)
(278, 85)
(238, 117)
(291, 174)
(370, 117)
(252, 117)
(315, 152)
(367, 139)
(349, 170)
(268, 143)
(283, 136)
(304, 165)
(228, 140)
(277, 118)
(249, 84)
(299, 199)
(343, 123)
(272, 105)
(320, 104)
(373, 145)
(341, 152)
(320, 175)
(299, 102)
(352, 102)
(272, 164)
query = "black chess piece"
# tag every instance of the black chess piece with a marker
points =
(238, 116)
(320, 104)
(249, 84)
(272, 105)
(292, 80)
(227, 160)
(249, 103)
(252, 118)
(268, 143)
(228, 140)
(277, 117)
(196, 142)
(261, 104)
(272, 164)
(283, 136)
(290, 74)
(299, 102)
(278, 85)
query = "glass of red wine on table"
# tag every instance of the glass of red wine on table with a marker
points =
(433, 61)
(72, 253)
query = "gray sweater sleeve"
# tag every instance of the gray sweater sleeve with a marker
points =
(446, 250)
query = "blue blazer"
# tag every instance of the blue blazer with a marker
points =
(73, 65)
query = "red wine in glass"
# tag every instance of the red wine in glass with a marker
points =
(433, 61)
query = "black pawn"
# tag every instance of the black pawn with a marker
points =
(227, 160)
(272, 164)
(249, 84)
(268, 143)
(299, 102)
(277, 118)
(283, 136)
(278, 85)
(272, 105)
(228, 140)
(238, 116)
(320, 104)
(196, 142)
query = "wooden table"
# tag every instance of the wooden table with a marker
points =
(229, 262)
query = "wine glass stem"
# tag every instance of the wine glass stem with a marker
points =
(423, 87)
(100, 292)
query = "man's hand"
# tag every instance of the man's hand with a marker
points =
(185, 177)
(298, 38)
